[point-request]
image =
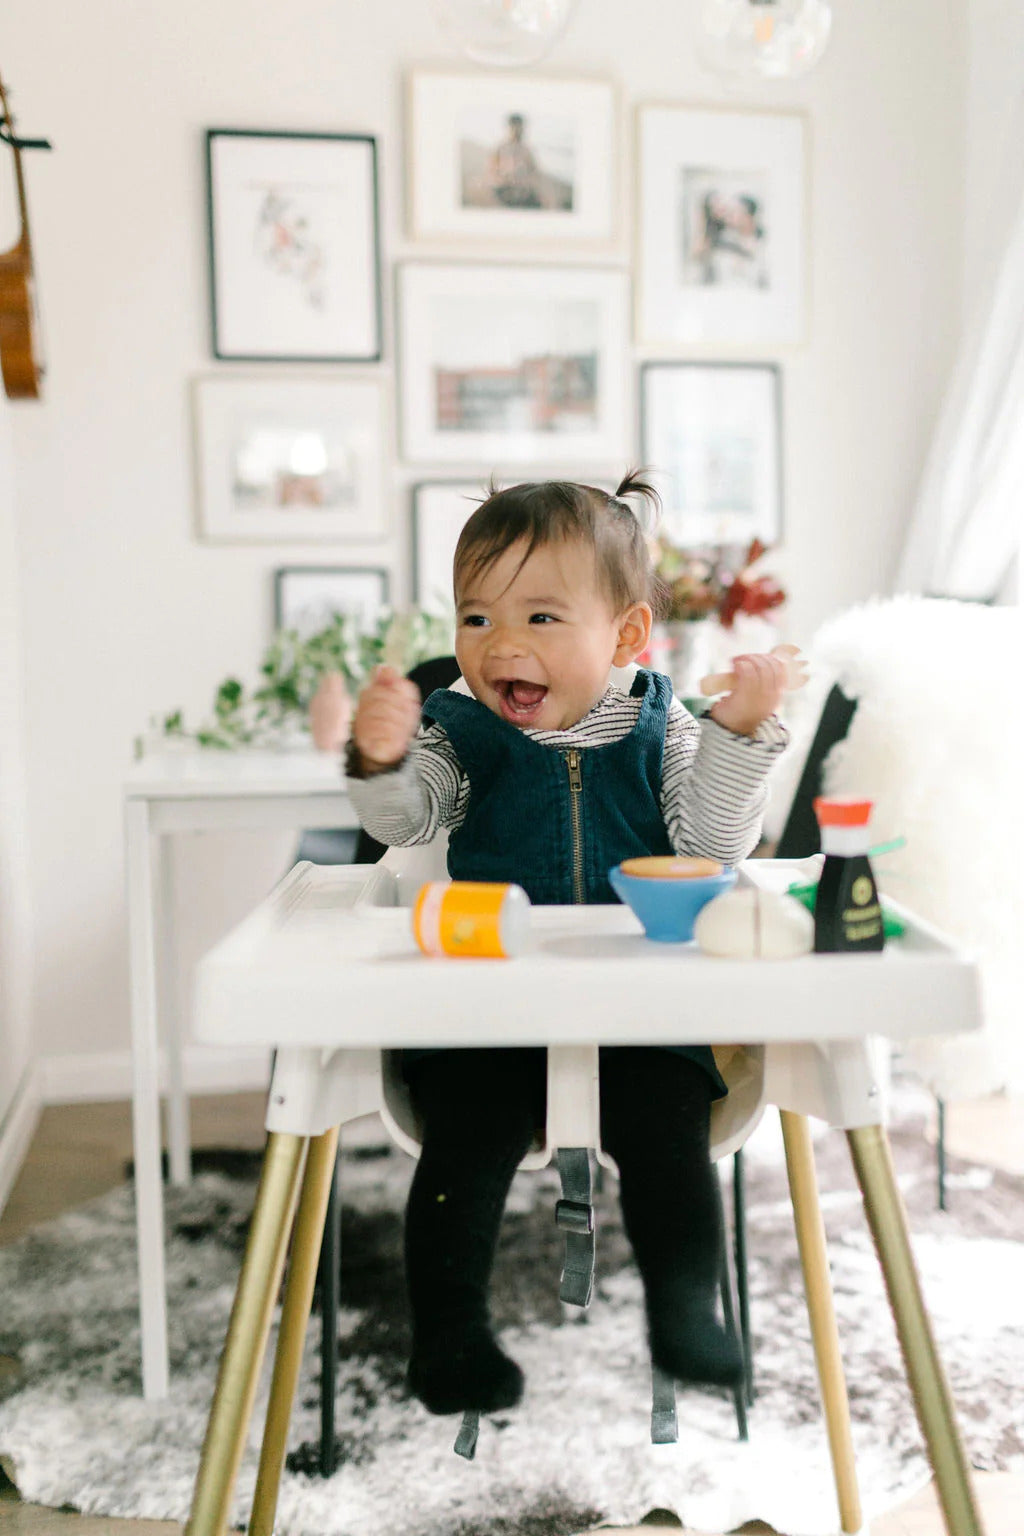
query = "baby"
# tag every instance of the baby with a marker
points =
(549, 776)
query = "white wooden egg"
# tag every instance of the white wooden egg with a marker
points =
(748, 924)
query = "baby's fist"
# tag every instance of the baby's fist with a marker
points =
(386, 720)
(756, 693)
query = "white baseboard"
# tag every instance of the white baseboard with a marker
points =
(91, 1076)
(17, 1129)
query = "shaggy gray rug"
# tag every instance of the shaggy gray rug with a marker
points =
(577, 1452)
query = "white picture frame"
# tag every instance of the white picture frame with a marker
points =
(514, 365)
(721, 252)
(294, 246)
(307, 597)
(440, 509)
(505, 157)
(289, 460)
(711, 433)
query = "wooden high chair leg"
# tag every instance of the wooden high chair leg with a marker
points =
(810, 1233)
(242, 1357)
(872, 1159)
(298, 1298)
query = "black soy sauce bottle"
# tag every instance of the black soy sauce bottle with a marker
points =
(847, 910)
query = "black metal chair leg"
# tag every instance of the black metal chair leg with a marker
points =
(739, 1395)
(739, 1237)
(330, 1295)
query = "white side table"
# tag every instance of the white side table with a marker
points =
(166, 793)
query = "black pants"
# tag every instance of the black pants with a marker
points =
(480, 1109)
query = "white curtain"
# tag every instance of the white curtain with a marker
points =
(967, 524)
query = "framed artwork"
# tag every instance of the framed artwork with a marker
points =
(722, 229)
(439, 511)
(711, 433)
(289, 460)
(294, 246)
(502, 157)
(306, 597)
(506, 365)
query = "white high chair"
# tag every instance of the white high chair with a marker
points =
(353, 1083)
(372, 1082)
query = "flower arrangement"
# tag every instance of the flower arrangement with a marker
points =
(707, 583)
(293, 667)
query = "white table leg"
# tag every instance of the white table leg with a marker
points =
(149, 1205)
(179, 1136)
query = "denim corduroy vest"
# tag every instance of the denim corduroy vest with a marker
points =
(555, 820)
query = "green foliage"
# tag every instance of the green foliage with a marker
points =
(291, 670)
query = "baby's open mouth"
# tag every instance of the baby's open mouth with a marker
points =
(520, 701)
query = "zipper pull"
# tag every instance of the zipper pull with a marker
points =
(572, 757)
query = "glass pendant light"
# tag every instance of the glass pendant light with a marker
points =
(506, 33)
(764, 39)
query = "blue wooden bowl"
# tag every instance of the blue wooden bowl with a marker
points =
(667, 907)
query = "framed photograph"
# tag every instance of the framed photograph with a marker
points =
(506, 365)
(440, 509)
(307, 597)
(721, 229)
(294, 246)
(289, 460)
(711, 434)
(503, 157)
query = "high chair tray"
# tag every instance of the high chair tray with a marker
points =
(328, 960)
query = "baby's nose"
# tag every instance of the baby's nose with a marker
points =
(508, 640)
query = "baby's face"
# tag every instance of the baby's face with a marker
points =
(536, 643)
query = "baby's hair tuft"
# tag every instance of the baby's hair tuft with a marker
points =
(551, 511)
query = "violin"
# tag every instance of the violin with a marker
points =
(20, 341)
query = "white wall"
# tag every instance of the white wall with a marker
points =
(994, 182)
(16, 1089)
(125, 613)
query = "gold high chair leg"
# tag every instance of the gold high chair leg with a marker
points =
(810, 1234)
(298, 1298)
(872, 1159)
(242, 1357)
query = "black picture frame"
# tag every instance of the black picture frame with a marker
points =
(431, 567)
(312, 577)
(739, 402)
(280, 271)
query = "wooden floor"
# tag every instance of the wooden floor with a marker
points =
(80, 1151)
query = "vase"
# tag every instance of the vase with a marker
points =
(682, 650)
(330, 711)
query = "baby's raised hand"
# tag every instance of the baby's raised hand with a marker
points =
(759, 686)
(386, 720)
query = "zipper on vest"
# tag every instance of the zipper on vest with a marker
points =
(572, 759)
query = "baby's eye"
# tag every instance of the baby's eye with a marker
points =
(543, 618)
(474, 620)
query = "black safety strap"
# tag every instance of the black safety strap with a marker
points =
(574, 1213)
(465, 1443)
(664, 1425)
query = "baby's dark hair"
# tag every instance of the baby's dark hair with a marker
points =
(549, 511)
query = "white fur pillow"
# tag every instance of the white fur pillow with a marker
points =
(936, 743)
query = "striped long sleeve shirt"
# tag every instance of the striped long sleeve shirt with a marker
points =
(713, 788)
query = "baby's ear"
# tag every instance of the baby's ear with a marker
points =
(634, 634)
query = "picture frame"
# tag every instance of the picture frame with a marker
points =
(294, 246)
(510, 365)
(306, 597)
(288, 460)
(505, 157)
(721, 253)
(439, 511)
(712, 435)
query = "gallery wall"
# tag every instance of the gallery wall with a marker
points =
(127, 614)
